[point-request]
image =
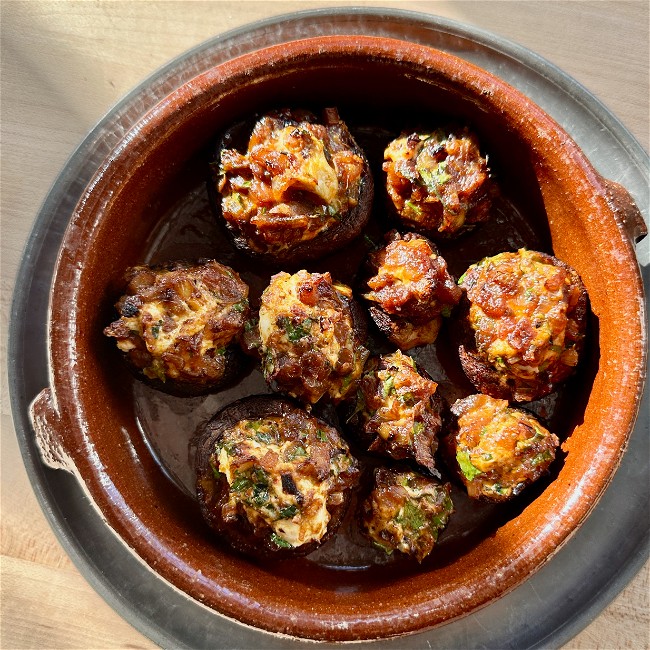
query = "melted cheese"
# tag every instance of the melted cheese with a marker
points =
(311, 516)
(310, 170)
(198, 306)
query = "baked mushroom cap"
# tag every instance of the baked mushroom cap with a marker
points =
(293, 187)
(179, 325)
(272, 480)
(525, 324)
(409, 290)
(406, 512)
(497, 450)
(311, 332)
(438, 181)
(397, 411)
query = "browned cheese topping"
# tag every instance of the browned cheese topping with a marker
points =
(406, 512)
(297, 179)
(308, 340)
(284, 474)
(396, 408)
(177, 323)
(438, 182)
(499, 450)
(522, 314)
(412, 286)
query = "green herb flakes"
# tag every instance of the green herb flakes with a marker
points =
(288, 512)
(279, 541)
(542, 457)
(411, 517)
(295, 331)
(155, 329)
(388, 386)
(469, 471)
(240, 484)
(297, 452)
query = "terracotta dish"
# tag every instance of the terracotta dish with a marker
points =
(147, 203)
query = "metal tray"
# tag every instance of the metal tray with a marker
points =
(548, 609)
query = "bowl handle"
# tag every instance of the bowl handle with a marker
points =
(47, 426)
(626, 212)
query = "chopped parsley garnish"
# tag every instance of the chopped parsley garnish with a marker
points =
(347, 380)
(542, 457)
(263, 436)
(294, 331)
(434, 178)
(418, 427)
(228, 447)
(469, 471)
(408, 399)
(321, 435)
(250, 324)
(297, 452)
(240, 306)
(155, 330)
(279, 542)
(411, 517)
(388, 386)
(260, 495)
(387, 549)
(413, 207)
(289, 512)
(240, 484)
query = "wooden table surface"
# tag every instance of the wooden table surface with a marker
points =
(64, 64)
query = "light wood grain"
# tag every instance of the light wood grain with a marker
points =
(63, 65)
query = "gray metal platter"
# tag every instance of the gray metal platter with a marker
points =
(549, 608)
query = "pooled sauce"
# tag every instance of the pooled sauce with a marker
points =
(170, 425)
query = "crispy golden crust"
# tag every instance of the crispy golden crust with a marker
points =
(438, 182)
(272, 480)
(397, 412)
(311, 332)
(524, 324)
(179, 325)
(298, 188)
(496, 450)
(409, 290)
(406, 512)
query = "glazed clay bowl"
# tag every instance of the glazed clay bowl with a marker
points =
(131, 447)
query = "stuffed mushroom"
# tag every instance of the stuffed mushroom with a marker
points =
(179, 325)
(524, 324)
(272, 480)
(406, 512)
(311, 334)
(497, 450)
(438, 182)
(296, 189)
(409, 290)
(397, 410)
